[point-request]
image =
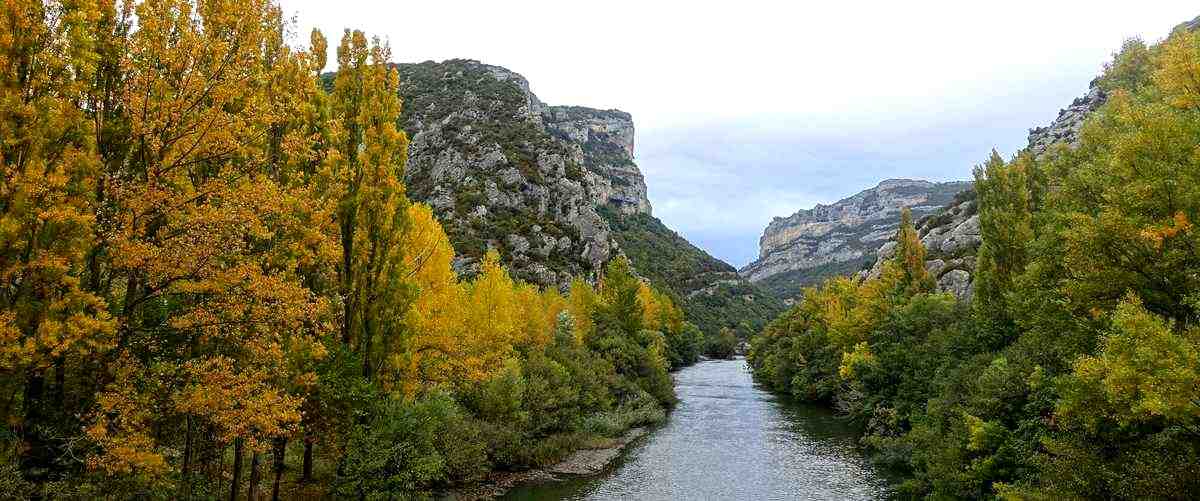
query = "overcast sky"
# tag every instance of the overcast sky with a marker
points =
(752, 109)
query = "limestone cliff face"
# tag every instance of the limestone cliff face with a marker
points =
(838, 238)
(504, 171)
(602, 141)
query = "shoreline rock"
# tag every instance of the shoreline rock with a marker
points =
(584, 462)
(581, 463)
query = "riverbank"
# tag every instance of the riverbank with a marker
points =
(582, 463)
(729, 439)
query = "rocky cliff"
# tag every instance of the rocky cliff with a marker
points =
(602, 141)
(554, 189)
(504, 171)
(842, 237)
(1065, 128)
(951, 237)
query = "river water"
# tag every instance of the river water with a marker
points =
(727, 439)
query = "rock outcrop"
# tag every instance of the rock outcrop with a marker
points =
(504, 171)
(841, 237)
(951, 238)
(602, 141)
(1065, 128)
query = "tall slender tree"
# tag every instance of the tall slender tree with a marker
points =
(369, 171)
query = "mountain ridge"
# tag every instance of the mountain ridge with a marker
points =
(841, 237)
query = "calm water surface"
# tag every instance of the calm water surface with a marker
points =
(728, 439)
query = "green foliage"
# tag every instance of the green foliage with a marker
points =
(638, 409)
(1074, 374)
(722, 345)
(1130, 68)
(406, 447)
(534, 411)
(910, 257)
(684, 347)
(1006, 196)
(706, 288)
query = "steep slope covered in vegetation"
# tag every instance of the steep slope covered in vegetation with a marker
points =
(1073, 369)
(710, 291)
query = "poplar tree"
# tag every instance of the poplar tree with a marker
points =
(49, 172)
(910, 257)
(1005, 204)
(368, 169)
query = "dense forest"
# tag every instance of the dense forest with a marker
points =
(1074, 372)
(213, 284)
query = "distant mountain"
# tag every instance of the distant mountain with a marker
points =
(840, 238)
(554, 189)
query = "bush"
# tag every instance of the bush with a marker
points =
(641, 409)
(684, 347)
(551, 396)
(410, 447)
(722, 345)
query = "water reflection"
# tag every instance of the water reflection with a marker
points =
(728, 439)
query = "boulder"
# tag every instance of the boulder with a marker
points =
(958, 283)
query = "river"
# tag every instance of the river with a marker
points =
(727, 439)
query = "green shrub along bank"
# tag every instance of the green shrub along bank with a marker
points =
(723, 345)
(1074, 372)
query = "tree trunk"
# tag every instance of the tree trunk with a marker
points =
(220, 476)
(368, 335)
(279, 455)
(33, 456)
(347, 275)
(188, 452)
(60, 385)
(236, 486)
(306, 475)
(252, 490)
(347, 324)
